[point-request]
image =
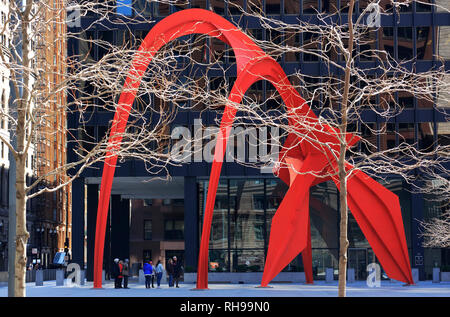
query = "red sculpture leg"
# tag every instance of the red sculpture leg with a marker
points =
(378, 214)
(290, 225)
(255, 70)
(288, 232)
(221, 144)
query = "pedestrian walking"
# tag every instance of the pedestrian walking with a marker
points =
(126, 273)
(170, 272)
(177, 270)
(115, 273)
(159, 273)
(148, 270)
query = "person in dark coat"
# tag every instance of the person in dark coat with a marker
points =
(170, 272)
(177, 270)
(115, 274)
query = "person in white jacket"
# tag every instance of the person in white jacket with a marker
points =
(159, 273)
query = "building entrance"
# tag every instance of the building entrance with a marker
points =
(358, 260)
(156, 231)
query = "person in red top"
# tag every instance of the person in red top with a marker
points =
(120, 276)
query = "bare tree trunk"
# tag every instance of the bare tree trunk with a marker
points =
(22, 234)
(23, 108)
(343, 239)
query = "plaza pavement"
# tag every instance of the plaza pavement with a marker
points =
(319, 289)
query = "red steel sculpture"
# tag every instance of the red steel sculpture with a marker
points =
(307, 158)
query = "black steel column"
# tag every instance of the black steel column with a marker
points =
(120, 228)
(191, 240)
(417, 256)
(92, 206)
(78, 221)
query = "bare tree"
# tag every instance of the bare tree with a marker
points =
(437, 231)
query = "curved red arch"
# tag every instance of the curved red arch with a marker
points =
(253, 65)
(179, 24)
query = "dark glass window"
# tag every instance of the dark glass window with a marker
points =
(147, 255)
(273, 99)
(424, 43)
(255, 6)
(87, 135)
(218, 6)
(235, 7)
(247, 260)
(310, 42)
(142, 8)
(406, 102)
(107, 40)
(101, 132)
(426, 139)
(218, 260)
(273, 7)
(181, 5)
(423, 7)
(292, 7)
(329, 6)
(147, 229)
(198, 4)
(174, 229)
(310, 6)
(256, 34)
(405, 43)
(367, 46)
(293, 41)
(161, 9)
(443, 133)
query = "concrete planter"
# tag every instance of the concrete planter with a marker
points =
(60, 277)
(141, 277)
(39, 278)
(351, 275)
(246, 277)
(329, 275)
(415, 275)
(445, 276)
(4, 277)
(436, 275)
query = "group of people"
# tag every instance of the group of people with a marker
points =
(174, 271)
(151, 271)
(120, 272)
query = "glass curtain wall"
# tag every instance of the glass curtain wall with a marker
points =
(242, 218)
